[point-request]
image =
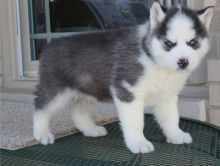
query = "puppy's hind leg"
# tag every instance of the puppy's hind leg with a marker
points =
(41, 130)
(41, 116)
(81, 115)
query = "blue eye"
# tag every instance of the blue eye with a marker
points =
(194, 43)
(169, 45)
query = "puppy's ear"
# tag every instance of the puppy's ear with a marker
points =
(205, 16)
(157, 14)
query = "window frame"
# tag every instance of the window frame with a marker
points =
(30, 68)
(12, 54)
(28, 37)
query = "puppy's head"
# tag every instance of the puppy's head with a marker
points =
(179, 36)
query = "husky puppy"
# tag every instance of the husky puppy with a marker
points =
(134, 67)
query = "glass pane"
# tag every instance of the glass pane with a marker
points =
(38, 20)
(71, 16)
(184, 3)
(37, 47)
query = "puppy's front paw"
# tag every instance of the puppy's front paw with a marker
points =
(180, 137)
(44, 138)
(95, 131)
(140, 146)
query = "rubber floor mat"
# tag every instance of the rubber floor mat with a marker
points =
(110, 150)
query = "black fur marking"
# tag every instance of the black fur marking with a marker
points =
(164, 9)
(124, 95)
(194, 43)
(90, 64)
(198, 26)
(168, 45)
(203, 10)
(145, 47)
(162, 28)
(128, 68)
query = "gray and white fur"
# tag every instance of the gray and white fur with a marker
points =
(133, 67)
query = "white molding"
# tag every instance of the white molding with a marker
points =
(10, 58)
(214, 70)
(19, 43)
(28, 64)
(31, 73)
(214, 95)
(214, 116)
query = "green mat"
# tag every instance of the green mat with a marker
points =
(77, 150)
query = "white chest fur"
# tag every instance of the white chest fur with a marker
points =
(158, 84)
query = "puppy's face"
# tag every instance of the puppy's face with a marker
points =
(179, 36)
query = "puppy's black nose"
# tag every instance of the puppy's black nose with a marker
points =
(183, 63)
